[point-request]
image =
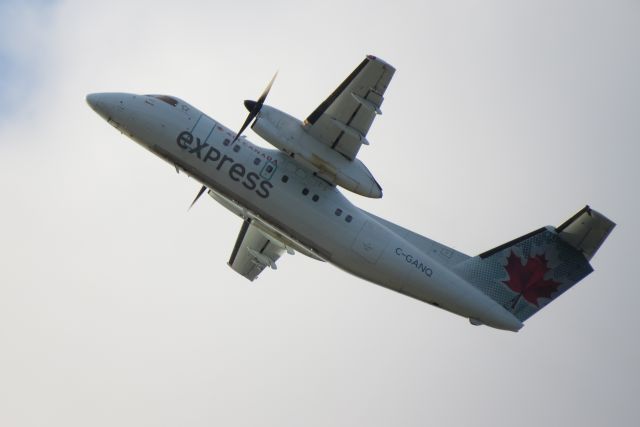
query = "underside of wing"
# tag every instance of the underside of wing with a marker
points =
(344, 118)
(288, 242)
(254, 251)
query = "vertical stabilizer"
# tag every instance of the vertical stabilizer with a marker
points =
(527, 273)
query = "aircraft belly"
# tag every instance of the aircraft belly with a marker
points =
(402, 267)
(361, 246)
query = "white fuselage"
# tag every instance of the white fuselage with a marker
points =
(274, 188)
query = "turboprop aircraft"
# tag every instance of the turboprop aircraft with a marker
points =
(290, 199)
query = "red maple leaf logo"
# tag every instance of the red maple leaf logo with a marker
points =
(528, 280)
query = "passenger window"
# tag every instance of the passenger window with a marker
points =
(338, 212)
(256, 161)
(315, 198)
(236, 148)
(226, 141)
(348, 218)
(305, 191)
(285, 178)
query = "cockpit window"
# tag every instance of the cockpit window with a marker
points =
(169, 100)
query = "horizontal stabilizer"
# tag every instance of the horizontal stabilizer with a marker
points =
(586, 231)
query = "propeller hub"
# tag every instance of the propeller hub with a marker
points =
(249, 104)
(254, 108)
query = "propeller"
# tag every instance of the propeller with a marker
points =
(200, 193)
(254, 107)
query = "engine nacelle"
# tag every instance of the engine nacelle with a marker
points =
(287, 134)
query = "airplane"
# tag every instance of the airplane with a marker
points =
(290, 199)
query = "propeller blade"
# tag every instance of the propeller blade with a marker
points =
(244, 125)
(254, 107)
(265, 92)
(202, 190)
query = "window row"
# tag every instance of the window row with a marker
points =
(347, 218)
(315, 198)
(305, 191)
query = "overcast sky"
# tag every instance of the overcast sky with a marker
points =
(117, 306)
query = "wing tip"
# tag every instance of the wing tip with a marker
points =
(381, 61)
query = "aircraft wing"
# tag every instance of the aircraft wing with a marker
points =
(254, 250)
(344, 118)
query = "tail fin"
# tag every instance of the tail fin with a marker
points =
(527, 273)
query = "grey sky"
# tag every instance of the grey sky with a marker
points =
(116, 304)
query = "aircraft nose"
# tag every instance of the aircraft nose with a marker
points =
(101, 103)
(93, 99)
(108, 105)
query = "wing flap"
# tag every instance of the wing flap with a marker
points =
(254, 251)
(344, 118)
